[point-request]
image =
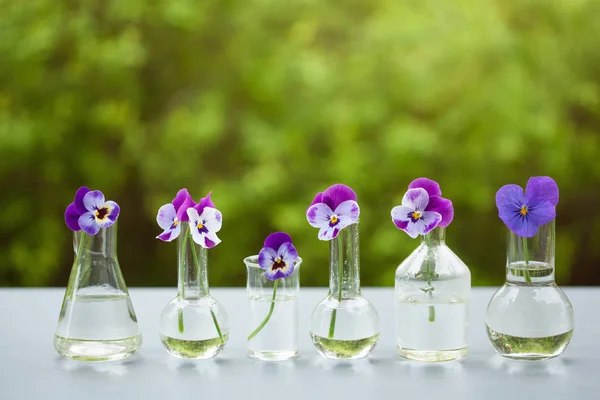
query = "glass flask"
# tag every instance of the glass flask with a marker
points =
(193, 324)
(274, 325)
(97, 321)
(345, 325)
(433, 288)
(530, 317)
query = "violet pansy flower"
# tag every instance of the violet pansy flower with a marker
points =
(278, 256)
(524, 212)
(170, 216)
(333, 210)
(205, 221)
(436, 202)
(90, 211)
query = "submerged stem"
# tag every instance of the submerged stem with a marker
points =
(526, 257)
(429, 272)
(334, 312)
(269, 314)
(212, 313)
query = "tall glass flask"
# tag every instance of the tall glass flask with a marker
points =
(433, 289)
(97, 321)
(345, 325)
(274, 325)
(530, 317)
(194, 324)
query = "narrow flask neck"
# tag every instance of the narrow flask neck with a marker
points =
(435, 237)
(344, 263)
(192, 260)
(102, 244)
(531, 259)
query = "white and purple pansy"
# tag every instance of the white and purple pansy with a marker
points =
(205, 221)
(90, 211)
(333, 210)
(278, 256)
(411, 216)
(170, 216)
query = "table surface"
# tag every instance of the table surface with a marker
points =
(32, 369)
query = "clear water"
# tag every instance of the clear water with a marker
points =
(531, 348)
(278, 339)
(344, 349)
(198, 349)
(443, 339)
(98, 323)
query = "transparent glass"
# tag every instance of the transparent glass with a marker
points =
(433, 289)
(97, 321)
(345, 325)
(273, 330)
(193, 325)
(530, 317)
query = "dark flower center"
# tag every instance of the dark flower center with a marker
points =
(278, 264)
(415, 215)
(101, 213)
(201, 227)
(524, 210)
(333, 221)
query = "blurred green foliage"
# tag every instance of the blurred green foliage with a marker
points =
(266, 103)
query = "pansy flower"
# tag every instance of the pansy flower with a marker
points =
(422, 208)
(333, 210)
(90, 211)
(170, 216)
(278, 256)
(205, 221)
(524, 212)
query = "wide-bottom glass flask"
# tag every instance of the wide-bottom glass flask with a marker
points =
(530, 317)
(193, 324)
(274, 321)
(433, 288)
(345, 325)
(97, 321)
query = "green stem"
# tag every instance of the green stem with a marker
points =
(526, 257)
(180, 312)
(180, 320)
(334, 313)
(428, 267)
(212, 313)
(269, 314)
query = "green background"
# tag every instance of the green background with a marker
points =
(267, 102)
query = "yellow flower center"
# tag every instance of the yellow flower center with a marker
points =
(523, 210)
(200, 226)
(334, 219)
(175, 222)
(416, 215)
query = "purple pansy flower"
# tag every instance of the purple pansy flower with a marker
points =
(170, 216)
(333, 210)
(205, 221)
(90, 212)
(278, 256)
(522, 212)
(412, 216)
(436, 202)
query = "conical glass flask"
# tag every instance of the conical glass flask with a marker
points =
(530, 317)
(97, 321)
(193, 324)
(433, 289)
(345, 325)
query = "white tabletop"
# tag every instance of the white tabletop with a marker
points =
(31, 368)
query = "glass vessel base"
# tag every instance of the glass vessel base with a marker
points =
(275, 355)
(344, 349)
(97, 350)
(194, 349)
(433, 355)
(524, 348)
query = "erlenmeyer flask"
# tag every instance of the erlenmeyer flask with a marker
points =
(97, 321)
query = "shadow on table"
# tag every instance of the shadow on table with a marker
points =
(554, 367)
(113, 368)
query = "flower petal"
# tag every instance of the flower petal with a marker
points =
(166, 216)
(431, 187)
(72, 217)
(318, 199)
(423, 225)
(204, 202)
(79, 206)
(182, 194)
(93, 200)
(329, 232)
(275, 240)
(347, 212)
(87, 222)
(182, 215)
(170, 233)
(542, 212)
(266, 257)
(522, 226)
(211, 218)
(210, 240)
(510, 195)
(318, 215)
(288, 253)
(112, 212)
(273, 273)
(401, 216)
(416, 199)
(337, 194)
(443, 207)
(542, 188)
